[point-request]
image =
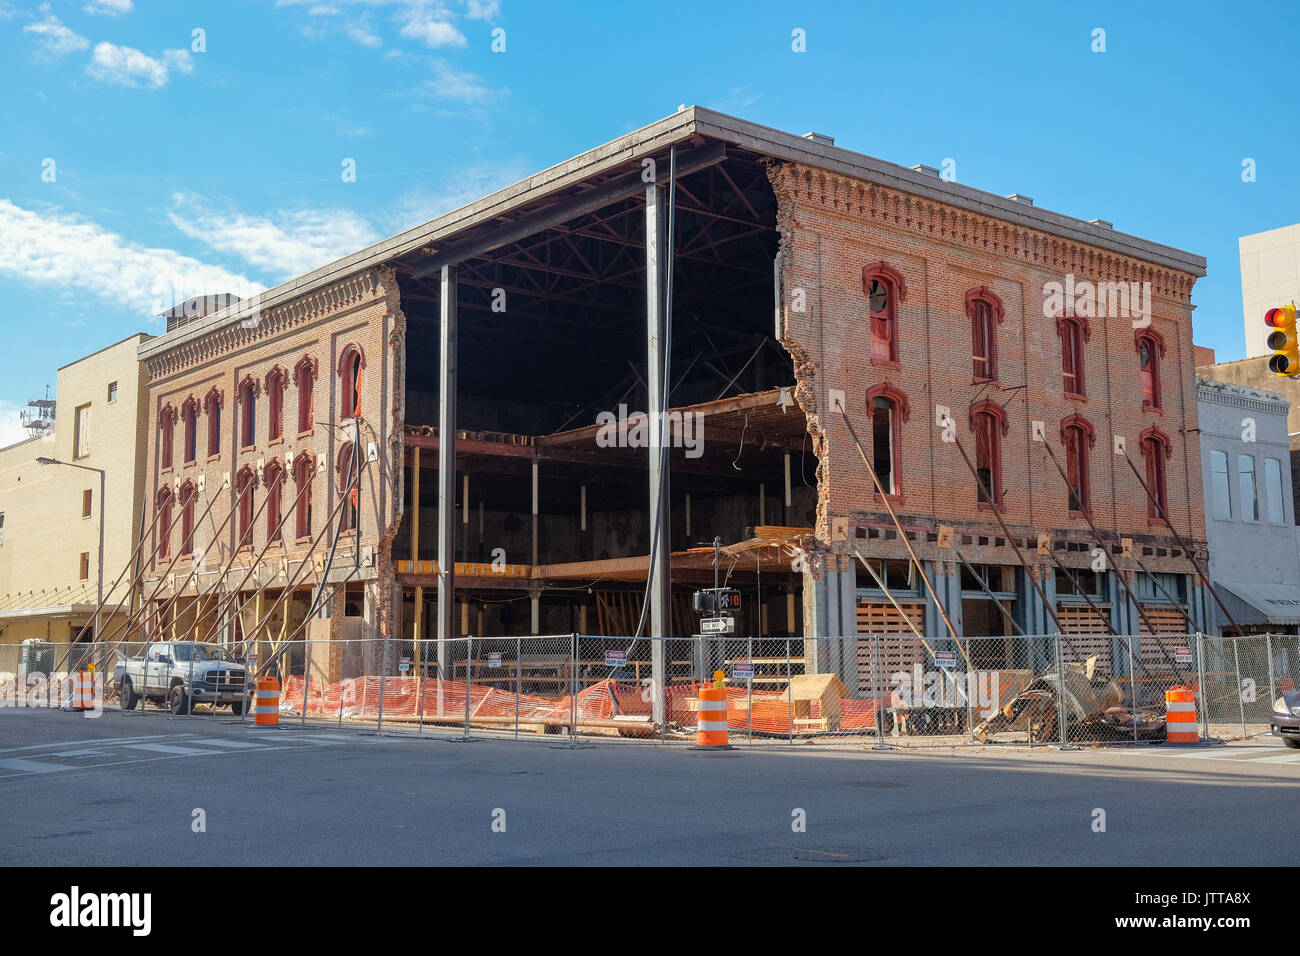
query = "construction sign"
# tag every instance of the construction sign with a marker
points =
(616, 658)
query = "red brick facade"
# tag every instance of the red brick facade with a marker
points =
(832, 227)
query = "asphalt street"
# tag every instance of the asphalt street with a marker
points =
(132, 790)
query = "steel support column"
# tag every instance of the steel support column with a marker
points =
(659, 585)
(447, 468)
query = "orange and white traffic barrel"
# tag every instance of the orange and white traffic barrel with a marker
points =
(83, 690)
(266, 707)
(711, 724)
(1180, 715)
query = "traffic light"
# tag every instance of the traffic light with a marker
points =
(722, 599)
(1283, 340)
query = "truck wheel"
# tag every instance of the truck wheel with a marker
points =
(237, 708)
(178, 700)
(128, 696)
(1293, 744)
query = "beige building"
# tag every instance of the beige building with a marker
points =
(50, 514)
(1270, 276)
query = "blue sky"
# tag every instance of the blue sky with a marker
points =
(176, 170)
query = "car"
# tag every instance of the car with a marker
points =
(181, 674)
(1285, 719)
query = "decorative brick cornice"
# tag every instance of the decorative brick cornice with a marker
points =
(800, 183)
(361, 289)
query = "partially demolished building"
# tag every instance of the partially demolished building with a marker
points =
(861, 364)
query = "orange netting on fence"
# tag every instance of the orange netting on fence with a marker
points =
(768, 712)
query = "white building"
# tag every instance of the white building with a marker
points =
(1270, 276)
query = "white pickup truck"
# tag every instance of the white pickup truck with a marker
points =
(181, 674)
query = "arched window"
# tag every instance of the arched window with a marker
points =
(1156, 450)
(1077, 436)
(1073, 332)
(347, 487)
(212, 410)
(984, 309)
(351, 362)
(275, 404)
(188, 497)
(164, 523)
(888, 408)
(302, 472)
(166, 431)
(273, 481)
(304, 376)
(884, 288)
(988, 420)
(247, 399)
(245, 481)
(1151, 349)
(190, 416)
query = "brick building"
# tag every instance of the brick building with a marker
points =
(493, 360)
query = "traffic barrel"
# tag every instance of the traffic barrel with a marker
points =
(266, 708)
(1180, 715)
(83, 690)
(711, 724)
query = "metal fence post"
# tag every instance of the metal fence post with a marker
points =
(1132, 691)
(970, 712)
(1272, 678)
(1060, 695)
(306, 681)
(469, 660)
(1236, 660)
(789, 691)
(875, 692)
(519, 647)
(383, 683)
(573, 689)
(1200, 686)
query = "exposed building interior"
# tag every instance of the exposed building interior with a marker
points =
(552, 350)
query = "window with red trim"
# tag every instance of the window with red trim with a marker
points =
(887, 408)
(275, 405)
(190, 416)
(1156, 451)
(244, 483)
(1072, 334)
(273, 480)
(1150, 349)
(988, 421)
(247, 413)
(304, 375)
(188, 495)
(884, 287)
(164, 524)
(347, 487)
(302, 472)
(212, 409)
(350, 365)
(984, 309)
(166, 432)
(1077, 439)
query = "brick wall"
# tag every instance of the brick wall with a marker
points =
(832, 226)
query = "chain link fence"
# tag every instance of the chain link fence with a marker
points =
(868, 690)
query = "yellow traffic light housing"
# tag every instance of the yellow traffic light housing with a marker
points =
(1284, 340)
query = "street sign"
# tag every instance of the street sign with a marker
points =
(403, 664)
(494, 660)
(718, 625)
(742, 669)
(1182, 655)
(615, 658)
(252, 662)
(946, 659)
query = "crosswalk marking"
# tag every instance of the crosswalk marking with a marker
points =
(169, 749)
(232, 744)
(79, 753)
(1239, 755)
(31, 766)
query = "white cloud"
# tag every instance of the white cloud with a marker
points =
(482, 9)
(432, 27)
(11, 426)
(459, 86)
(291, 244)
(112, 8)
(127, 66)
(456, 189)
(54, 40)
(354, 131)
(63, 251)
(361, 31)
